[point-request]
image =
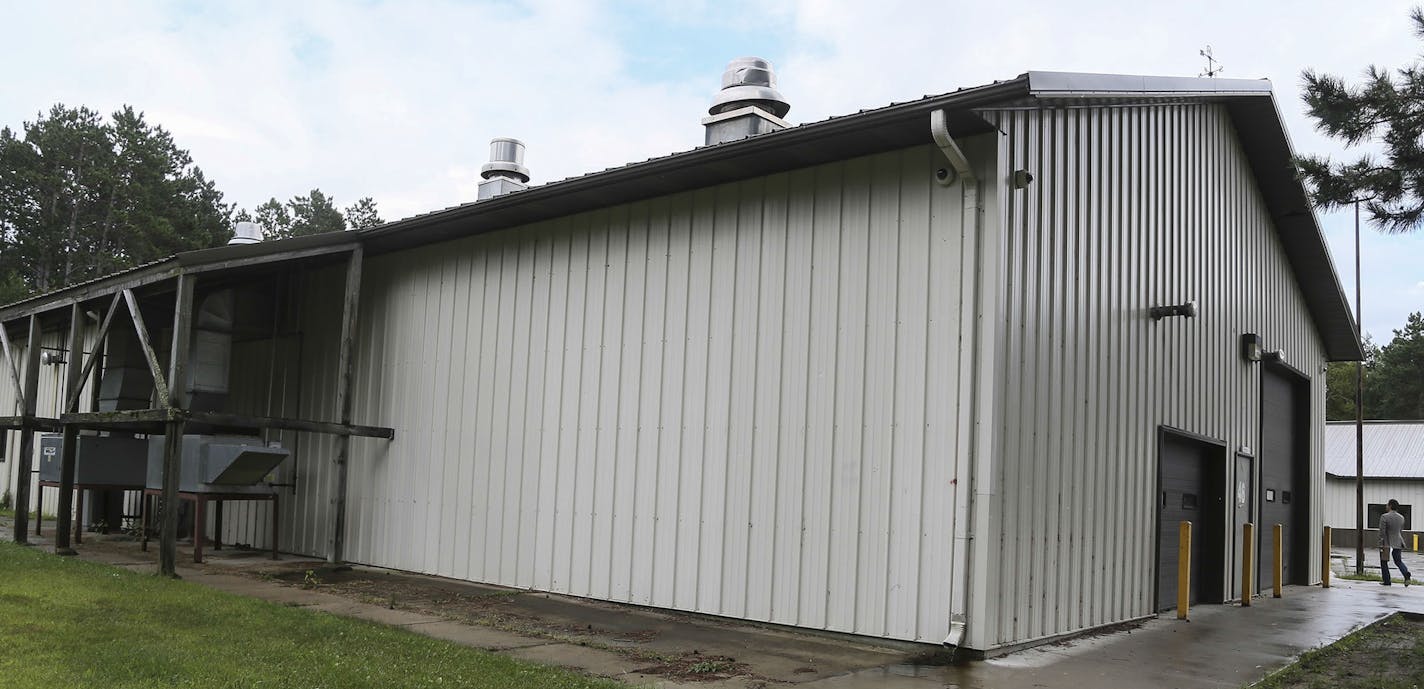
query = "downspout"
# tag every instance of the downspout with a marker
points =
(960, 171)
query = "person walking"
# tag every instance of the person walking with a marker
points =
(1391, 538)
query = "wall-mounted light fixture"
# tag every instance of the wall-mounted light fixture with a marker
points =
(1188, 310)
(51, 358)
(1251, 347)
(1022, 178)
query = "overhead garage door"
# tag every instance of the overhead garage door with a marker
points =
(1285, 463)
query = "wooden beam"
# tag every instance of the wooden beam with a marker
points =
(14, 368)
(182, 338)
(160, 385)
(82, 293)
(345, 365)
(177, 399)
(327, 427)
(267, 259)
(114, 419)
(75, 388)
(70, 451)
(27, 435)
(20, 423)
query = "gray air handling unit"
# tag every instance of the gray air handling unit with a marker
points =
(115, 461)
(220, 464)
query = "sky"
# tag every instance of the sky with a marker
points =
(398, 100)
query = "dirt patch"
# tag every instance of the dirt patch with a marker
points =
(1388, 653)
(694, 667)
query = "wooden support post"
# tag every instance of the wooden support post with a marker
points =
(1325, 559)
(25, 466)
(160, 386)
(168, 501)
(1184, 569)
(174, 397)
(200, 526)
(1248, 583)
(345, 363)
(70, 451)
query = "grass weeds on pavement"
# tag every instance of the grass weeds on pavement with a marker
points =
(71, 623)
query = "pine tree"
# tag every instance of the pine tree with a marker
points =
(1386, 109)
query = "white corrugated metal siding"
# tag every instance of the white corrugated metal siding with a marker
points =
(1131, 208)
(51, 402)
(742, 401)
(1340, 502)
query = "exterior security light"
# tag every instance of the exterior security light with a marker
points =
(1251, 347)
(1188, 310)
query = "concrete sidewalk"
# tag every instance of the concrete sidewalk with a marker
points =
(1222, 646)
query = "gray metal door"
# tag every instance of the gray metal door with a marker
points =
(1243, 505)
(1285, 463)
(1189, 489)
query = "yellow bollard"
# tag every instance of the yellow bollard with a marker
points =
(1247, 531)
(1325, 558)
(1416, 543)
(1184, 568)
(1275, 575)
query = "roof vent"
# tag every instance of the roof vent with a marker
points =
(748, 103)
(246, 233)
(505, 172)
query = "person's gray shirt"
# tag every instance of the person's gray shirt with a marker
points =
(1391, 530)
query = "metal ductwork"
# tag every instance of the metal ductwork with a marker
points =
(748, 103)
(210, 356)
(505, 172)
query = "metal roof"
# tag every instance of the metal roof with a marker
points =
(898, 125)
(1393, 449)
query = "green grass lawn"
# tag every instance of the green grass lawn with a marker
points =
(69, 623)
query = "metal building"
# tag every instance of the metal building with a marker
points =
(1394, 470)
(941, 371)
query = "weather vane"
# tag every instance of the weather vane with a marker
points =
(1213, 67)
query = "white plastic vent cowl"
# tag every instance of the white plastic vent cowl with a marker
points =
(246, 233)
(505, 172)
(748, 103)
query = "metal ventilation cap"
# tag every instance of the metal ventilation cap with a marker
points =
(246, 233)
(749, 81)
(506, 160)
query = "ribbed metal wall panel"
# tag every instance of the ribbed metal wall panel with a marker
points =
(1340, 502)
(51, 402)
(743, 401)
(1130, 208)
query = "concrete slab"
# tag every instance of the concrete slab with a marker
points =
(591, 660)
(475, 637)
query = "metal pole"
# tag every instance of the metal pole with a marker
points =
(1248, 579)
(1184, 569)
(1359, 414)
